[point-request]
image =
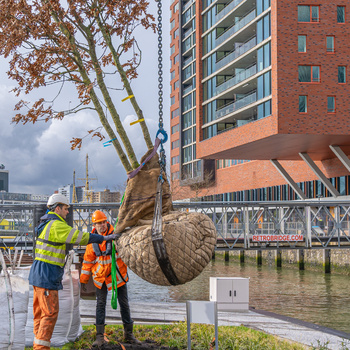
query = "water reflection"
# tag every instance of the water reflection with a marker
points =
(306, 295)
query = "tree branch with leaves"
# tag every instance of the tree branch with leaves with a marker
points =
(82, 42)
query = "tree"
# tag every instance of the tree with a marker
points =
(55, 42)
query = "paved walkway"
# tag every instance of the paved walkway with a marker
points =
(284, 327)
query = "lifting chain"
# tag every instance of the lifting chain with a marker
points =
(160, 64)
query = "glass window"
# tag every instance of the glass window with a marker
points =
(172, 75)
(303, 104)
(266, 26)
(259, 31)
(315, 74)
(267, 108)
(308, 13)
(260, 59)
(172, 24)
(341, 74)
(172, 100)
(175, 113)
(341, 14)
(261, 111)
(315, 13)
(267, 55)
(172, 49)
(259, 7)
(301, 43)
(267, 84)
(309, 74)
(330, 44)
(175, 129)
(330, 104)
(260, 87)
(303, 13)
(176, 33)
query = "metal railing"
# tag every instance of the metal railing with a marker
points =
(240, 225)
(239, 51)
(238, 78)
(235, 106)
(235, 28)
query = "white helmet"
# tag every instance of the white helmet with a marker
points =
(57, 198)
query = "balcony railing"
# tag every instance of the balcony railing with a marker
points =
(228, 8)
(235, 106)
(236, 53)
(187, 61)
(236, 79)
(187, 5)
(235, 28)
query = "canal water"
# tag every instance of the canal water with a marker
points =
(323, 299)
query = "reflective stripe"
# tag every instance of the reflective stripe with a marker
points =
(52, 249)
(84, 272)
(42, 342)
(105, 262)
(109, 285)
(98, 283)
(50, 258)
(80, 237)
(71, 234)
(89, 262)
(98, 268)
(48, 228)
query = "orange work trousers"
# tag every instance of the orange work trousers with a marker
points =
(45, 310)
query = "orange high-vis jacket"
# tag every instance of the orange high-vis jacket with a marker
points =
(98, 263)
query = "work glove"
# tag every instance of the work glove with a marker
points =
(111, 237)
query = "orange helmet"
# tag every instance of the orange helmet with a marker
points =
(98, 216)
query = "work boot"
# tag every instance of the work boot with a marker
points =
(128, 334)
(100, 341)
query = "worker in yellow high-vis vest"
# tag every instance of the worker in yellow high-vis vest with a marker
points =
(46, 273)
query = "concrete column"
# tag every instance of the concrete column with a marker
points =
(278, 258)
(241, 256)
(227, 255)
(301, 259)
(259, 257)
(327, 260)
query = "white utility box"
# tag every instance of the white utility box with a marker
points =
(230, 293)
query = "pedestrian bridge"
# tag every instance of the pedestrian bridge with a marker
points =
(319, 224)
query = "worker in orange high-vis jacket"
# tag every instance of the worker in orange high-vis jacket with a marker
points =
(98, 264)
(46, 273)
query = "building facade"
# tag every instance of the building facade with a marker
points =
(4, 179)
(259, 99)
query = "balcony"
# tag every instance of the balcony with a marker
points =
(235, 28)
(227, 9)
(235, 80)
(232, 107)
(249, 44)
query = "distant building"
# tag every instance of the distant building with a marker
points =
(105, 196)
(22, 198)
(4, 179)
(68, 192)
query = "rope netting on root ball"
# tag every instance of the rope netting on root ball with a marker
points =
(162, 246)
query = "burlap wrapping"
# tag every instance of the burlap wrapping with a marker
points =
(189, 239)
(139, 197)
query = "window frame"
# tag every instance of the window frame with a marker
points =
(334, 103)
(299, 36)
(344, 7)
(345, 67)
(311, 75)
(332, 49)
(306, 101)
(311, 18)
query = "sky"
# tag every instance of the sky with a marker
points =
(38, 157)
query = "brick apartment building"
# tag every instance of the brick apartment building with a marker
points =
(260, 106)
